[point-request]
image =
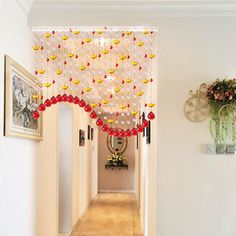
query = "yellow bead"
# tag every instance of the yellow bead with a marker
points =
(47, 85)
(65, 87)
(59, 72)
(41, 72)
(36, 47)
(65, 37)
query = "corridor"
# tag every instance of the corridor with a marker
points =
(111, 214)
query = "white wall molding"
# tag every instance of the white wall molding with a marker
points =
(25, 5)
(70, 12)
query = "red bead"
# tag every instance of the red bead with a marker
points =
(110, 131)
(64, 98)
(151, 115)
(82, 103)
(47, 59)
(53, 100)
(104, 127)
(122, 133)
(59, 46)
(35, 115)
(117, 64)
(128, 133)
(140, 68)
(111, 47)
(99, 104)
(82, 42)
(93, 81)
(145, 123)
(88, 64)
(116, 133)
(42, 107)
(134, 38)
(76, 100)
(151, 80)
(70, 79)
(36, 72)
(65, 62)
(70, 98)
(111, 96)
(99, 55)
(76, 56)
(82, 92)
(128, 57)
(116, 113)
(140, 128)
(122, 34)
(105, 76)
(88, 108)
(93, 115)
(99, 122)
(47, 103)
(145, 55)
(134, 132)
(59, 98)
(134, 87)
(123, 81)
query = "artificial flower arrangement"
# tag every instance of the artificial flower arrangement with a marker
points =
(222, 98)
(116, 160)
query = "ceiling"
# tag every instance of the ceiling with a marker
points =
(99, 12)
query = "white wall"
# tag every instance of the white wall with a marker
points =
(84, 165)
(65, 149)
(196, 191)
(17, 156)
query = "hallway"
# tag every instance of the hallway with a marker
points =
(111, 214)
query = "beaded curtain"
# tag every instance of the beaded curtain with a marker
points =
(107, 71)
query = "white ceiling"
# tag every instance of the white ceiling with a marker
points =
(103, 12)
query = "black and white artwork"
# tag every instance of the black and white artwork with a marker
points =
(22, 92)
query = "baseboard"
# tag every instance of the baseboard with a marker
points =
(115, 191)
(64, 234)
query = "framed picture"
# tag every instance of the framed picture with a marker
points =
(81, 137)
(89, 130)
(19, 104)
(92, 133)
(144, 130)
(148, 133)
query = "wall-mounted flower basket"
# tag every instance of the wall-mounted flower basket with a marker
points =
(219, 101)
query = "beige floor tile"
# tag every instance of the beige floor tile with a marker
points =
(111, 214)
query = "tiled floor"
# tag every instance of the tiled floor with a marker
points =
(111, 214)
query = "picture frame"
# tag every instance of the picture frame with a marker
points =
(144, 130)
(92, 134)
(19, 88)
(81, 137)
(148, 133)
(89, 132)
